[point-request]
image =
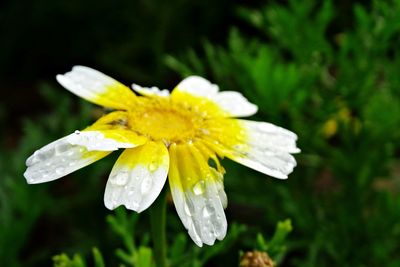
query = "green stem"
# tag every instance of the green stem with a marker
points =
(158, 222)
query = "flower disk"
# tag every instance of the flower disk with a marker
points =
(182, 136)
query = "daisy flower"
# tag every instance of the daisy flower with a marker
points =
(182, 136)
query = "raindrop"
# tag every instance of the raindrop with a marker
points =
(32, 160)
(146, 185)
(198, 188)
(205, 131)
(187, 210)
(206, 212)
(152, 166)
(60, 170)
(120, 178)
(60, 148)
(239, 147)
(132, 205)
(77, 132)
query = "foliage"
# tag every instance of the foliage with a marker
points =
(339, 90)
(326, 70)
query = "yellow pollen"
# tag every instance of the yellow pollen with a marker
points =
(180, 119)
(166, 124)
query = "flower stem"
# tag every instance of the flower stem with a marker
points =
(158, 223)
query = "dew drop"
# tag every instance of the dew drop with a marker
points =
(198, 188)
(60, 148)
(32, 160)
(120, 178)
(205, 131)
(133, 205)
(206, 212)
(239, 147)
(60, 170)
(152, 166)
(187, 210)
(146, 185)
(77, 132)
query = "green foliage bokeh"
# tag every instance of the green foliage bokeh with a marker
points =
(333, 80)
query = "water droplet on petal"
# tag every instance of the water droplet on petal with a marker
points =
(146, 185)
(152, 167)
(205, 131)
(32, 160)
(133, 205)
(206, 212)
(198, 188)
(187, 210)
(60, 148)
(120, 178)
(60, 170)
(240, 147)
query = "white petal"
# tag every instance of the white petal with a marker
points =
(97, 88)
(96, 140)
(198, 86)
(150, 91)
(200, 206)
(235, 104)
(267, 149)
(58, 159)
(202, 214)
(138, 177)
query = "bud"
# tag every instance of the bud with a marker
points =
(256, 259)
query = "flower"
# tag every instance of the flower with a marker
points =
(182, 135)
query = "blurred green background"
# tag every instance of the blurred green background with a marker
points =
(327, 70)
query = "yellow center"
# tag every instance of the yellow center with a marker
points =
(166, 120)
(179, 119)
(167, 125)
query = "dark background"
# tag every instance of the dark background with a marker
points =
(327, 70)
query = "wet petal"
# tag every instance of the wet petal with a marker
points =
(232, 104)
(198, 86)
(58, 159)
(235, 104)
(105, 140)
(137, 177)
(150, 91)
(258, 145)
(196, 191)
(97, 88)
